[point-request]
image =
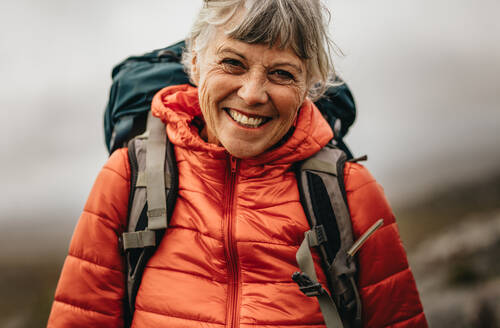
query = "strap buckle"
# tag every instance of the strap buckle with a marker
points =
(316, 236)
(307, 286)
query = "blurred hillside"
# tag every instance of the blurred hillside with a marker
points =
(447, 206)
(453, 242)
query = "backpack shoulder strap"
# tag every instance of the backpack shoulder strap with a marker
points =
(153, 191)
(322, 191)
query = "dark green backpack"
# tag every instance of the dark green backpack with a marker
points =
(135, 81)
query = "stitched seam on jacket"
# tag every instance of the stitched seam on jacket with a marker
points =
(239, 241)
(116, 172)
(407, 268)
(79, 257)
(176, 316)
(266, 242)
(264, 178)
(185, 272)
(261, 282)
(404, 320)
(347, 175)
(107, 220)
(284, 202)
(308, 137)
(195, 172)
(58, 300)
(319, 324)
(291, 282)
(170, 227)
(364, 185)
(254, 282)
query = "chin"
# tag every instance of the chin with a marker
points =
(244, 151)
(243, 154)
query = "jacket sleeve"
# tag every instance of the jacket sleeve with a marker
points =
(91, 289)
(387, 288)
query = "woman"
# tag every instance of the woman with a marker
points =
(229, 252)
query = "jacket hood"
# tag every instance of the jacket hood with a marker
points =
(178, 107)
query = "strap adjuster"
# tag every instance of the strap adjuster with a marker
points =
(316, 236)
(307, 286)
(138, 239)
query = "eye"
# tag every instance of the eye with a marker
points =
(232, 65)
(282, 76)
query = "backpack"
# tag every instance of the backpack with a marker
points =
(135, 81)
(154, 182)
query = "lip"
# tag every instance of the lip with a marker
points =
(243, 127)
(246, 114)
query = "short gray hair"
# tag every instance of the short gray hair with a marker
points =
(301, 25)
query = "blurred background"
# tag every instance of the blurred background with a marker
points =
(424, 73)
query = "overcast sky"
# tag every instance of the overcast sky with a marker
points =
(425, 75)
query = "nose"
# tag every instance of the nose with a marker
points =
(253, 89)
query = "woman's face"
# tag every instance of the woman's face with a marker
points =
(249, 93)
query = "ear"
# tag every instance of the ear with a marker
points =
(195, 71)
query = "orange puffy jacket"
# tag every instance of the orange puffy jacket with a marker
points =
(229, 252)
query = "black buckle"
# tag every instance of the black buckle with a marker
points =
(307, 286)
(320, 234)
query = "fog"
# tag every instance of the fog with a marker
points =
(424, 75)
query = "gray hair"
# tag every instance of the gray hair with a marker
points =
(301, 25)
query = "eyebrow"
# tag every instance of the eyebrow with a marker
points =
(289, 64)
(234, 51)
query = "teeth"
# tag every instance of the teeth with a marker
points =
(245, 120)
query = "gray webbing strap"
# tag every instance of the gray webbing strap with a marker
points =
(141, 179)
(316, 164)
(306, 264)
(155, 174)
(139, 239)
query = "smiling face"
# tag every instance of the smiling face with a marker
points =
(249, 93)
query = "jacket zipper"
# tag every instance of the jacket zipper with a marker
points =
(230, 246)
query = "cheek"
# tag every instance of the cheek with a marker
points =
(211, 91)
(216, 85)
(207, 104)
(288, 104)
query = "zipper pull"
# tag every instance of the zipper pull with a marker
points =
(234, 163)
(357, 245)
